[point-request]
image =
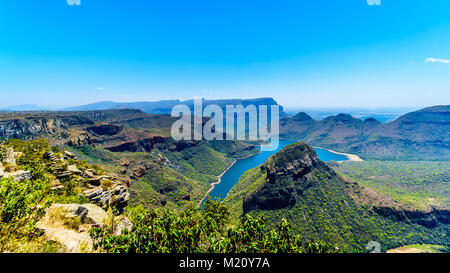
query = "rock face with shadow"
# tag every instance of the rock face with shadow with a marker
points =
(289, 175)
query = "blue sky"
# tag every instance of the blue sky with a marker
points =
(319, 53)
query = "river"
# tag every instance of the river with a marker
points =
(232, 175)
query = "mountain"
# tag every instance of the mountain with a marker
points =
(322, 206)
(157, 107)
(165, 106)
(58, 126)
(24, 107)
(419, 135)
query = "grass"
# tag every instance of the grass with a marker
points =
(421, 248)
(418, 184)
(59, 214)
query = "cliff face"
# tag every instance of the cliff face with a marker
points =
(289, 174)
(109, 128)
(428, 219)
(34, 125)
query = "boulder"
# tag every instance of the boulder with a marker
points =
(74, 170)
(58, 188)
(70, 240)
(87, 174)
(92, 193)
(64, 174)
(119, 189)
(50, 156)
(96, 180)
(19, 175)
(105, 198)
(120, 200)
(9, 156)
(122, 223)
(95, 216)
(53, 227)
(69, 155)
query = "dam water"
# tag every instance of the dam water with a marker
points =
(231, 176)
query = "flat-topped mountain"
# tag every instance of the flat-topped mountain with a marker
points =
(165, 106)
(419, 135)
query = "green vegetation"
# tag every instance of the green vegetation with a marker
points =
(23, 202)
(204, 230)
(321, 206)
(414, 184)
(167, 177)
(200, 162)
(418, 248)
(96, 155)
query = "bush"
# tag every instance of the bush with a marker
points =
(20, 208)
(200, 231)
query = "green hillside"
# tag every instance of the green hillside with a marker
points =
(294, 184)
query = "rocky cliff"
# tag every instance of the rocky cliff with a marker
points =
(289, 174)
(38, 124)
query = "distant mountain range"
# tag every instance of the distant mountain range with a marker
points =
(149, 107)
(25, 107)
(165, 106)
(419, 135)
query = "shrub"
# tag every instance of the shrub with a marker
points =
(201, 230)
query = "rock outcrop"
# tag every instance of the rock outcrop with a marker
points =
(102, 189)
(287, 177)
(69, 224)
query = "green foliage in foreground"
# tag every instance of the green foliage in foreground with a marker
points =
(23, 203)
(20, 210)
(204, 230)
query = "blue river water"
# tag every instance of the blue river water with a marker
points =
(231, 177)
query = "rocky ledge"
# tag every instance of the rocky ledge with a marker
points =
(69, 224)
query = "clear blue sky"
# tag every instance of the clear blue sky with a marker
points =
(303, 53)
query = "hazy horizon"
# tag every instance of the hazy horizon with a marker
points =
(287, 108)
